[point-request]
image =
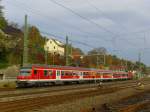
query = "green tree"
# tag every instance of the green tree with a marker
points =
(3, 22)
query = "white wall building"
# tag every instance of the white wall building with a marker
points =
(55, 47)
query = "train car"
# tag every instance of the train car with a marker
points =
(45, 75)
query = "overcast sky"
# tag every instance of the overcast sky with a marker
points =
(121, 26)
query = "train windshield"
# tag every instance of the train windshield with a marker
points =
(25, 71)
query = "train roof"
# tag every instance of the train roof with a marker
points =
(64, 68)
(42, 66)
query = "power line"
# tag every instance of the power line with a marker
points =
(99, 10)
(74, 41)
(124, 34)
(106, 39)
(36, 12)
(90, 21)
(105, 15)
(60, 37)
(84, 18)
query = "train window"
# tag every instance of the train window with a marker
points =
(74, 73)
(62, 73)
(68, 73)
(86, 73)
(124, 75)
(25, 73)
(58, 73)
(98, 73)
(107, 74)
(115, 75)
(50, 72)
(45, 73)
(35, 72)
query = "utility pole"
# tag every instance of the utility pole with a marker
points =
(104, 59)
(97, 61)
(66, 51)
(70, 53)
(25, 44)
(139, 65)
(126, 65)
(139, 60)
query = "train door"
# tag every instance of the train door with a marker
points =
(81, 75)
(58, 74)
(36, 74)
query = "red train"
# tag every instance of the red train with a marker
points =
(45, 75)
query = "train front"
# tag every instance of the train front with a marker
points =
(24, 76)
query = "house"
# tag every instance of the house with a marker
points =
(55, 47)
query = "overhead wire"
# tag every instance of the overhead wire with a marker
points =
(86, 32)
(104, 15)
(36, 12)
(90, 21)
(81, 42)
(74, 41)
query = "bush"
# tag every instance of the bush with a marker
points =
(3, 65)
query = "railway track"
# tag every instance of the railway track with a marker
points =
(10, 96)
(67, 96)
(29, 93)
(135, 103)
(24, 91)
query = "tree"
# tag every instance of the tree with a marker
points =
(3, 22)
(100, 50)
(77, 54)
(36, 46)
(97, 56)
(108, 60)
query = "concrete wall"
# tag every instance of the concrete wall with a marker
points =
(10, 72)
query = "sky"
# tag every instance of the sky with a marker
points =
(121, 26)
